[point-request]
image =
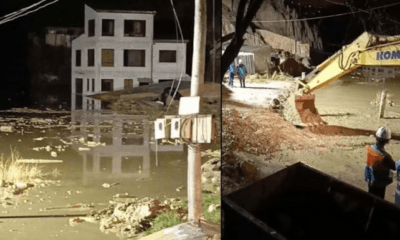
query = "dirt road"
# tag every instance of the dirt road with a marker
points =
(341, 154)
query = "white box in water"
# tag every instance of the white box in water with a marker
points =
(159, 128)
(175, 128)
(189, 105)
(202, 129)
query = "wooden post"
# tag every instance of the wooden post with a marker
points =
(196, 89)
(382, 104)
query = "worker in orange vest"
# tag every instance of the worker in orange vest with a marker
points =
(378, 172)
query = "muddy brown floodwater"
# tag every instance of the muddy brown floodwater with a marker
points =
(102, 155)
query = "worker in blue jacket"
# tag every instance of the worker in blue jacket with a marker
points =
(378, 172)
(241, 69)
(397, 194)
(231, 71)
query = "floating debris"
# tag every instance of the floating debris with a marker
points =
(107, 185)
(39, 161)
(9, 129)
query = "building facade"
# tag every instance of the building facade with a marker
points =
(61, 36)
(118, 51)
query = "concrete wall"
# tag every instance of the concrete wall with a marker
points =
(284, 43)
(166, 70)
(118, 25)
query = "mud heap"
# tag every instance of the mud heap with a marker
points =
(260, 131)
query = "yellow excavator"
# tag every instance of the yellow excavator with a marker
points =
(366, 50)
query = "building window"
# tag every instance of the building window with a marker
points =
(78, 93)
(107, 57)
(87, 85)
(90, 57)
(92, 84)
(165, 80)
(107, 85)
(134, 58)
(167, 56)
(91, 27)
(105, 105)
(134, 28)
(78, 56)
(144, 83)
(89, 163)
(107, 27)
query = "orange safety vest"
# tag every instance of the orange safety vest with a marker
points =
(373, 157)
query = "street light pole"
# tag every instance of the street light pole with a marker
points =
(196, 89)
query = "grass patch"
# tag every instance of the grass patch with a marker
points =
(212, 198)
(171, 218)
(164, 220)
(13, 171)
(184, 202)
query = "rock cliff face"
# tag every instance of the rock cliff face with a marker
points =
(272, 10)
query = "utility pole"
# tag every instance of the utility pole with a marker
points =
(196, 89)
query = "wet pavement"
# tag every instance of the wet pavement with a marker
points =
(102, 154)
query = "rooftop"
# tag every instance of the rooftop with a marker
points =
(169, 41)
(121, 8)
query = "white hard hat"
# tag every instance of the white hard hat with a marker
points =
(383, 132)
(240, 61)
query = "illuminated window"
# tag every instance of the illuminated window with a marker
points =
(107, 57)
(134, 28)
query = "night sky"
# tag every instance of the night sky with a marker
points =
(338, 31)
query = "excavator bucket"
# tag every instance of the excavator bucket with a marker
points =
(301, 110)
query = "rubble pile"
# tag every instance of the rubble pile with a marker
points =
(30, 110)
(133, 107)
(24, 124)
(211, 174)
(128, 216)
(11, 192)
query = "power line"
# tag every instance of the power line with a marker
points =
(183, 66)
(321, 17)
(365, 11)
(20, 13)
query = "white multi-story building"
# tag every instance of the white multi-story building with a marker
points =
(118, 51)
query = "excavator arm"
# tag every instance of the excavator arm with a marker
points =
(366, 50)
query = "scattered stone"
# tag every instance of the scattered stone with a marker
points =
(211, 208)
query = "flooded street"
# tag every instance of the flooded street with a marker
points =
(354, 102)
(102, 154)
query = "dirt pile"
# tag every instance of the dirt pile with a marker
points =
(260, 131)
(128, 216)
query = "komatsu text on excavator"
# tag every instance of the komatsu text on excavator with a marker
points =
(366, 50)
